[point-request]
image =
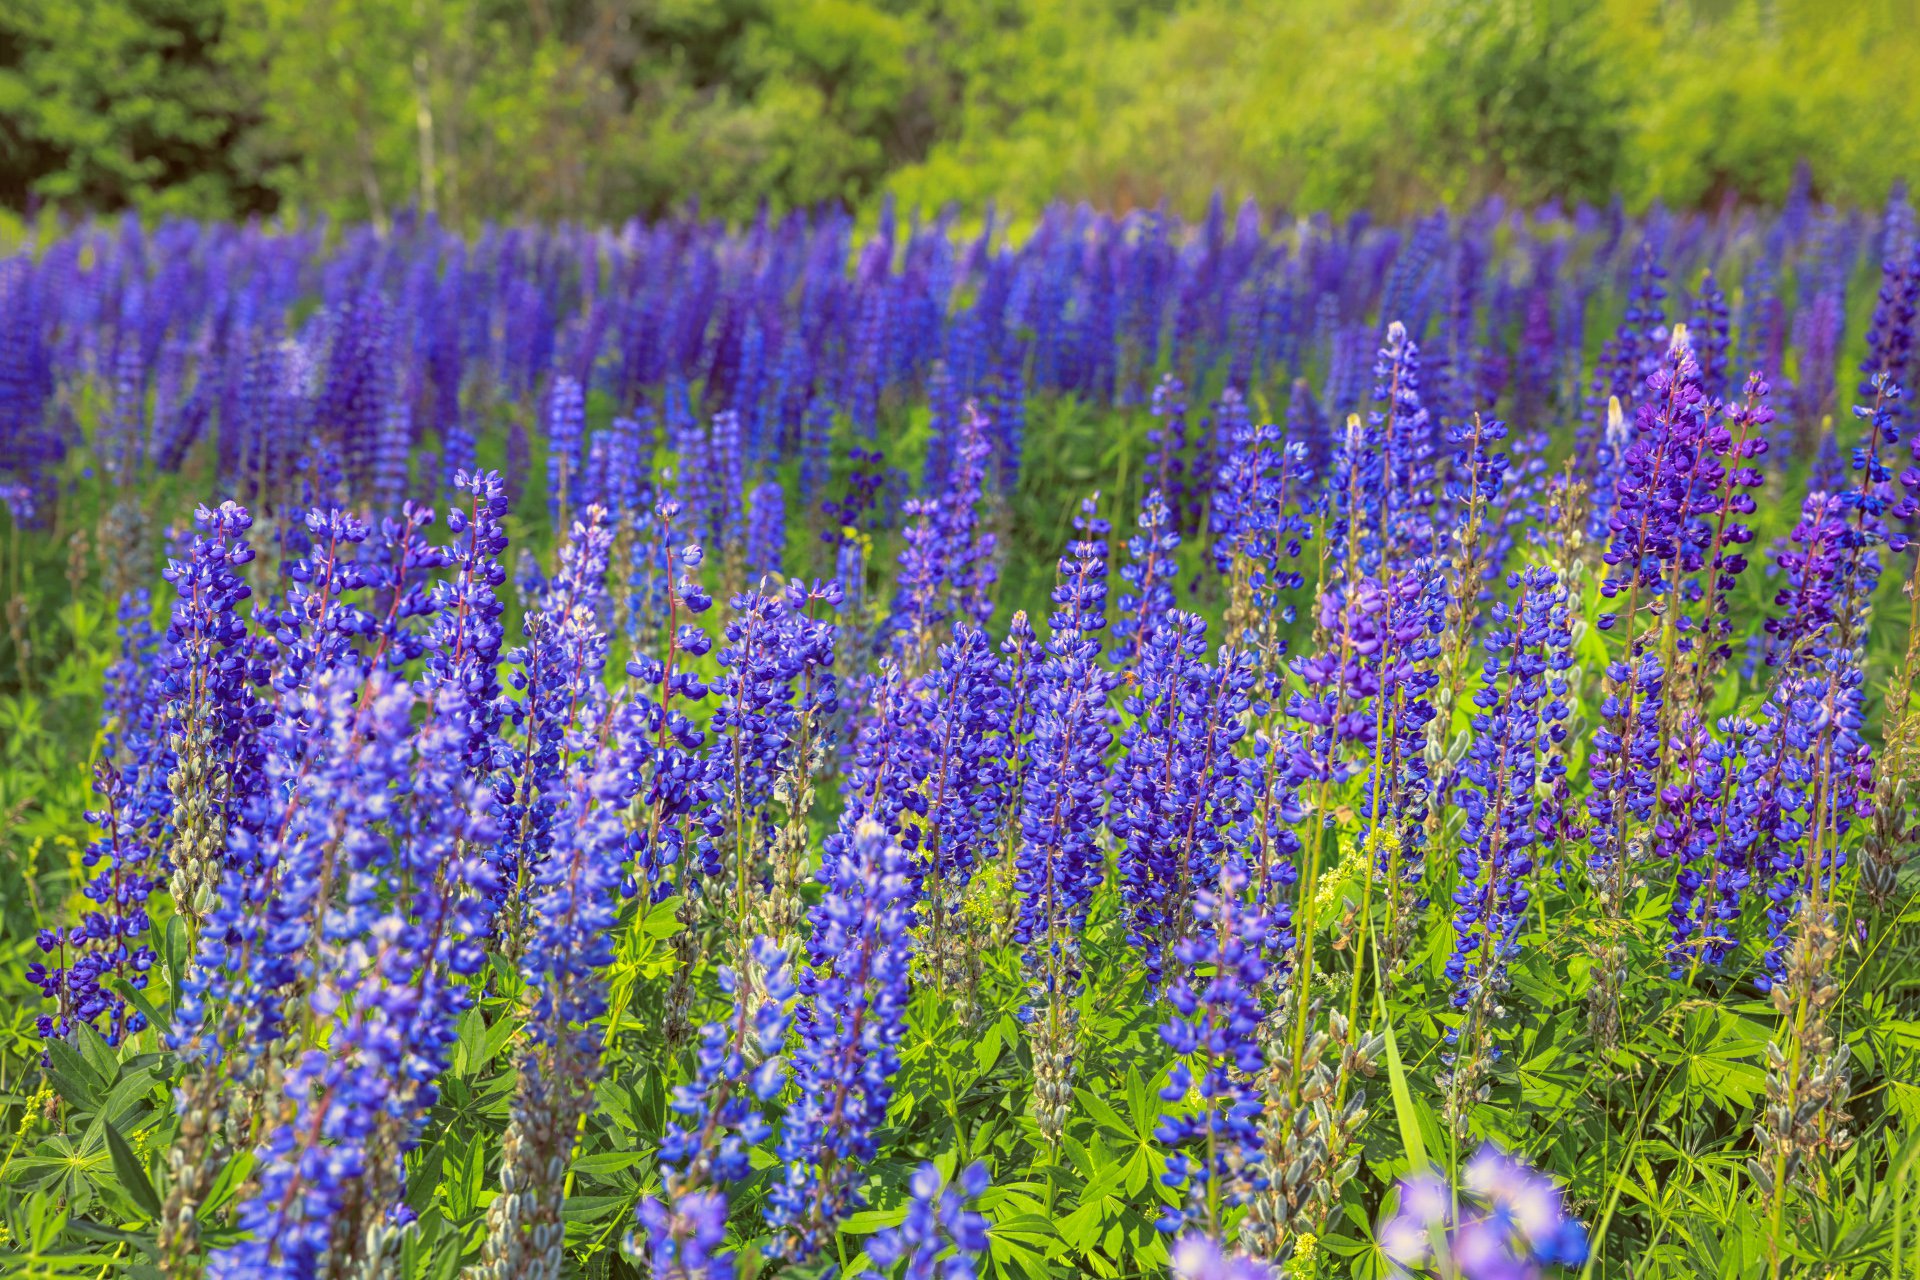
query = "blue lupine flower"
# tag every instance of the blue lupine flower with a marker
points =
(947, 570)
(1059, 862)
(1259, 525)
(943, 1236)
(1150, 575)
(131, 782)
(777, 667)
(1214, 1029)
(1405, 437)
(1707, 830)
(966, 733)
(855, 989)
(381, 922)
(816, 446)
(566, 439)
(557, 672)
(718, 1121)
(1184, 794)
(1505, 1221)
(1167, 467)
(1657, 499)
(683, 786)
(463, 643)
(1519, 720)
(1810, 561)
(767, 532)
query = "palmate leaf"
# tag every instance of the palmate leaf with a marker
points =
(1717, 1060)
(74, 1168)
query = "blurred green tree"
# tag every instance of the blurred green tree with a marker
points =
(602, 109)
(106, 103)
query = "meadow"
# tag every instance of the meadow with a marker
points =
(1249, 747)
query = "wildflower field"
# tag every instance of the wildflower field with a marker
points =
(1256, 747)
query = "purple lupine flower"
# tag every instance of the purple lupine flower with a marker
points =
(1356, 495)
(688, 441)
(649, 541)
(557, 672)
(885, 782)
(1811, 561)
(1150, 575)
(718, 1122)
(1214, 1029)
(1728, 477)
(725, 525)
(1328, 712)
(756, 715)
(566, 431)
(683, 786)
(943, 423)
(1197, 1257)
(855, 989)
(353, 404)
(1711, 332)
(1259, 525)
(1625, 761)
(1625, 360)
(402, 601)
(385, 963)
(1670, 478)
(1656, 497)
(1870, 504)
(1009, 414)
(1707, 829)
(816, 452)
(966, 730)
(688, 1242)
(1167, 466)
(1059, 861)
(1184, 794)
(1021, 656)
(1820, 781)
(387, 477)
(766, 550)
(317, 627)
(123, 450)
(777, 676)
(131, 781)
(1505, 1221)
(942, 1237)
(1399, 788)
(1476, 472)
(463, 643)
(1819, 323)
(948, 569)
(1519, 720)
(211, 670)
(1404, 435)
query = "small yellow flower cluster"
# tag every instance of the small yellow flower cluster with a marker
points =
(1306, 1249)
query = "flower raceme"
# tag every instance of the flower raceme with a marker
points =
(855, 813)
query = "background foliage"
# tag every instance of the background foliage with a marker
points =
(602, 109)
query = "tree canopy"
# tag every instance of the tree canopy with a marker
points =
(602, 109)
